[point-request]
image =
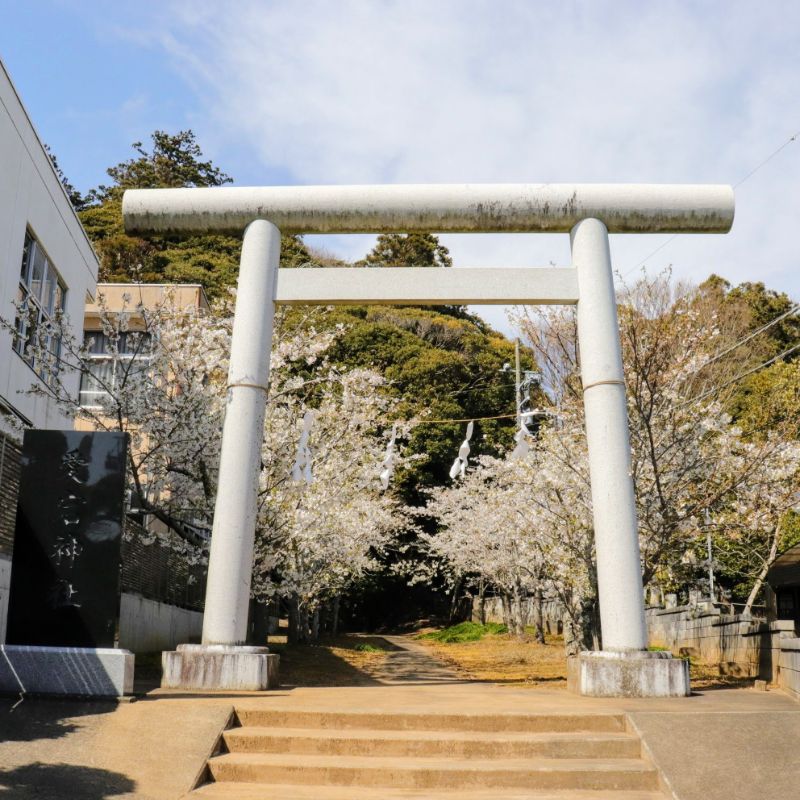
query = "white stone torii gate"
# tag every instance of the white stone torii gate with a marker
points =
(588, 212)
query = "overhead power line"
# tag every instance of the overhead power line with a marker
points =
(750, 336)
(766, 161)
(745, 374)
(794, 309)
(465, 419)
(736, 185)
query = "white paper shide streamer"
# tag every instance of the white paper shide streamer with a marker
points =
(301, 471)
(388, 460)
(522, 447)
(459, 467)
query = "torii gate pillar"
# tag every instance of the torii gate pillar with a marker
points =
(624, 667)
(588, 212)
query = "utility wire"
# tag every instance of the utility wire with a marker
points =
(747, 177)
(466, 419)
(714, 358)
(766, 161)
(694, 400)
(648, 257)
(483, 388)
(716, 389)
(750, 336)
(477, 419)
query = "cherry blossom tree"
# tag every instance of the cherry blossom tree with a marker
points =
(163, 381)
(319, 537)
(679, 352)
(526, 522)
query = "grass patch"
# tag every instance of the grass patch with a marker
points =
(464, 632)
(366, 647)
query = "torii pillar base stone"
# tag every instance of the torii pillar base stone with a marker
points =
(636, 674)
(219, 667)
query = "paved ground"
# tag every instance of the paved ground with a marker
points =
(734, 754)
(57, 749)
(727, 744)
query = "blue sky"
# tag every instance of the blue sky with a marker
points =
(438, 91)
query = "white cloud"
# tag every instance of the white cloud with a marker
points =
(440, 90)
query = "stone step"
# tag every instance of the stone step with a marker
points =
(435, 773)
(259, 791)
(521, 722)
(464, 744)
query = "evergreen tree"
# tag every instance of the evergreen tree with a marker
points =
(75, 197)
(408, 250)
(211, 260)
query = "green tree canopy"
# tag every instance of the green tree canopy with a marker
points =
(408, 250)
(212, 260)
(173, 161)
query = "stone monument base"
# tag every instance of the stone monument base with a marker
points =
(75, 671)
(219, 667)
(637, 674)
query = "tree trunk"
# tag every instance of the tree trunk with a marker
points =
(294, 620)
(773, 553)
(538, 615)
(582, 628)
(315, 625)
(335, 621)
(508, 620)
(520, 612)
(454, 600)
(482, 602)
(593, 636)
(302, 624)
(590, 611)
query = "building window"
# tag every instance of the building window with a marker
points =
(111, 361)
(40, 304)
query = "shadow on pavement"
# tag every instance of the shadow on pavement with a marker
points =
(59, 781)
(45, 718)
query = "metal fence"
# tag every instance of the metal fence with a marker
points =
(160, 572)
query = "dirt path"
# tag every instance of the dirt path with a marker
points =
(409, 662)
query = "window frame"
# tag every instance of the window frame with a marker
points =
(117, 361)
(34, 311)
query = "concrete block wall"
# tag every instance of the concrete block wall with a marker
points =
(552, 611)
(745, 646)
(789, 675)
(147, 626)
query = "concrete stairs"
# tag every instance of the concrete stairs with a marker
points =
(318, 755)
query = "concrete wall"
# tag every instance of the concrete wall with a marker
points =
(147, 625)
(738, 645)
(553, 613)
(789, 672)
(744, 646)
(5, 585)
(31, 196)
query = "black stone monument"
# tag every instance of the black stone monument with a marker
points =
(66, 564)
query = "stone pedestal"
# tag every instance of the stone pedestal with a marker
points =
(633, 674)
(219, 667)
(75, 671)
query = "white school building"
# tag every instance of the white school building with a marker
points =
(47, 261)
